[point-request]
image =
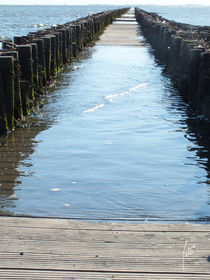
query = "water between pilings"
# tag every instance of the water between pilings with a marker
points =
(113, 140)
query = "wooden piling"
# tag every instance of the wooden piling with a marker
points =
(18, 113)
(183, 48)
(26, 63)
(203, 93)
(47, 51)
(29, 63)
(3, 116)
(53, 65)
(35, 65)
(64, 46)
(41, 62)
(25, 96)
(7, 77)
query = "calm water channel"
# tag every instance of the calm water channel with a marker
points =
(113, 140)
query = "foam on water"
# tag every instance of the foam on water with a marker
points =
(90, 110)
(110, 97)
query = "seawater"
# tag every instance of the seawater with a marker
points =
(114, 140)
(19, 20)
(191, 14)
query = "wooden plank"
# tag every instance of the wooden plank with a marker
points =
(115, 263)
(69, 275)
(103, 264)
(102, 226)
(109, 236)
(40, 244)
(121, 34)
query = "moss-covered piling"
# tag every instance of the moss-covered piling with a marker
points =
(28, 64)
(7, 96)
(184, 49)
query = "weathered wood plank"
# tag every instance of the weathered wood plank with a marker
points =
(106, 226)
(70, 245)
(133, 238)
(104, 264)
(69, 275)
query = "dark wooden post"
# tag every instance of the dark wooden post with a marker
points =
(26, 64)
(18, 113)
(7, 76)
(25, 93)
(41, 62)
(47, 48)
(3, 116)
(35, 64)
(53, 66)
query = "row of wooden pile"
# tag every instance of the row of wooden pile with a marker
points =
(184, 49)
(28, 64)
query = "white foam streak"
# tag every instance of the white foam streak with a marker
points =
(110, 97)
(93, 109)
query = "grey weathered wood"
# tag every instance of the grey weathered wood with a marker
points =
(68, 248)
(106, 226)
(71, 275)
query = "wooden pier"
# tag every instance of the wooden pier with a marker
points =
(39, 248)
(123, 32)
(49, 248)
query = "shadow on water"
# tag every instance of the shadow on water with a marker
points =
(17, 146)
(196, 127)
(196, 130)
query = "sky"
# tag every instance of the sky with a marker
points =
(115, 2)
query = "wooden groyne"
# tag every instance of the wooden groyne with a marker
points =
(29, 64)
(185, 51)
(61, 248)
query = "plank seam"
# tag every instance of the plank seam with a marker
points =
(198, 221)
(105, 271)
(110, 230)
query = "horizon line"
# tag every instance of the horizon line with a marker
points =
(132, 4)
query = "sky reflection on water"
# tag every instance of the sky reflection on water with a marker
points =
(142, 155)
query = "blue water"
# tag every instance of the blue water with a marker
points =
(111, 142)
(19, 20)
(114, 140)
(197, 15)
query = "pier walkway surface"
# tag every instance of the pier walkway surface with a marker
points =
(51, 248)
(38, 248)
